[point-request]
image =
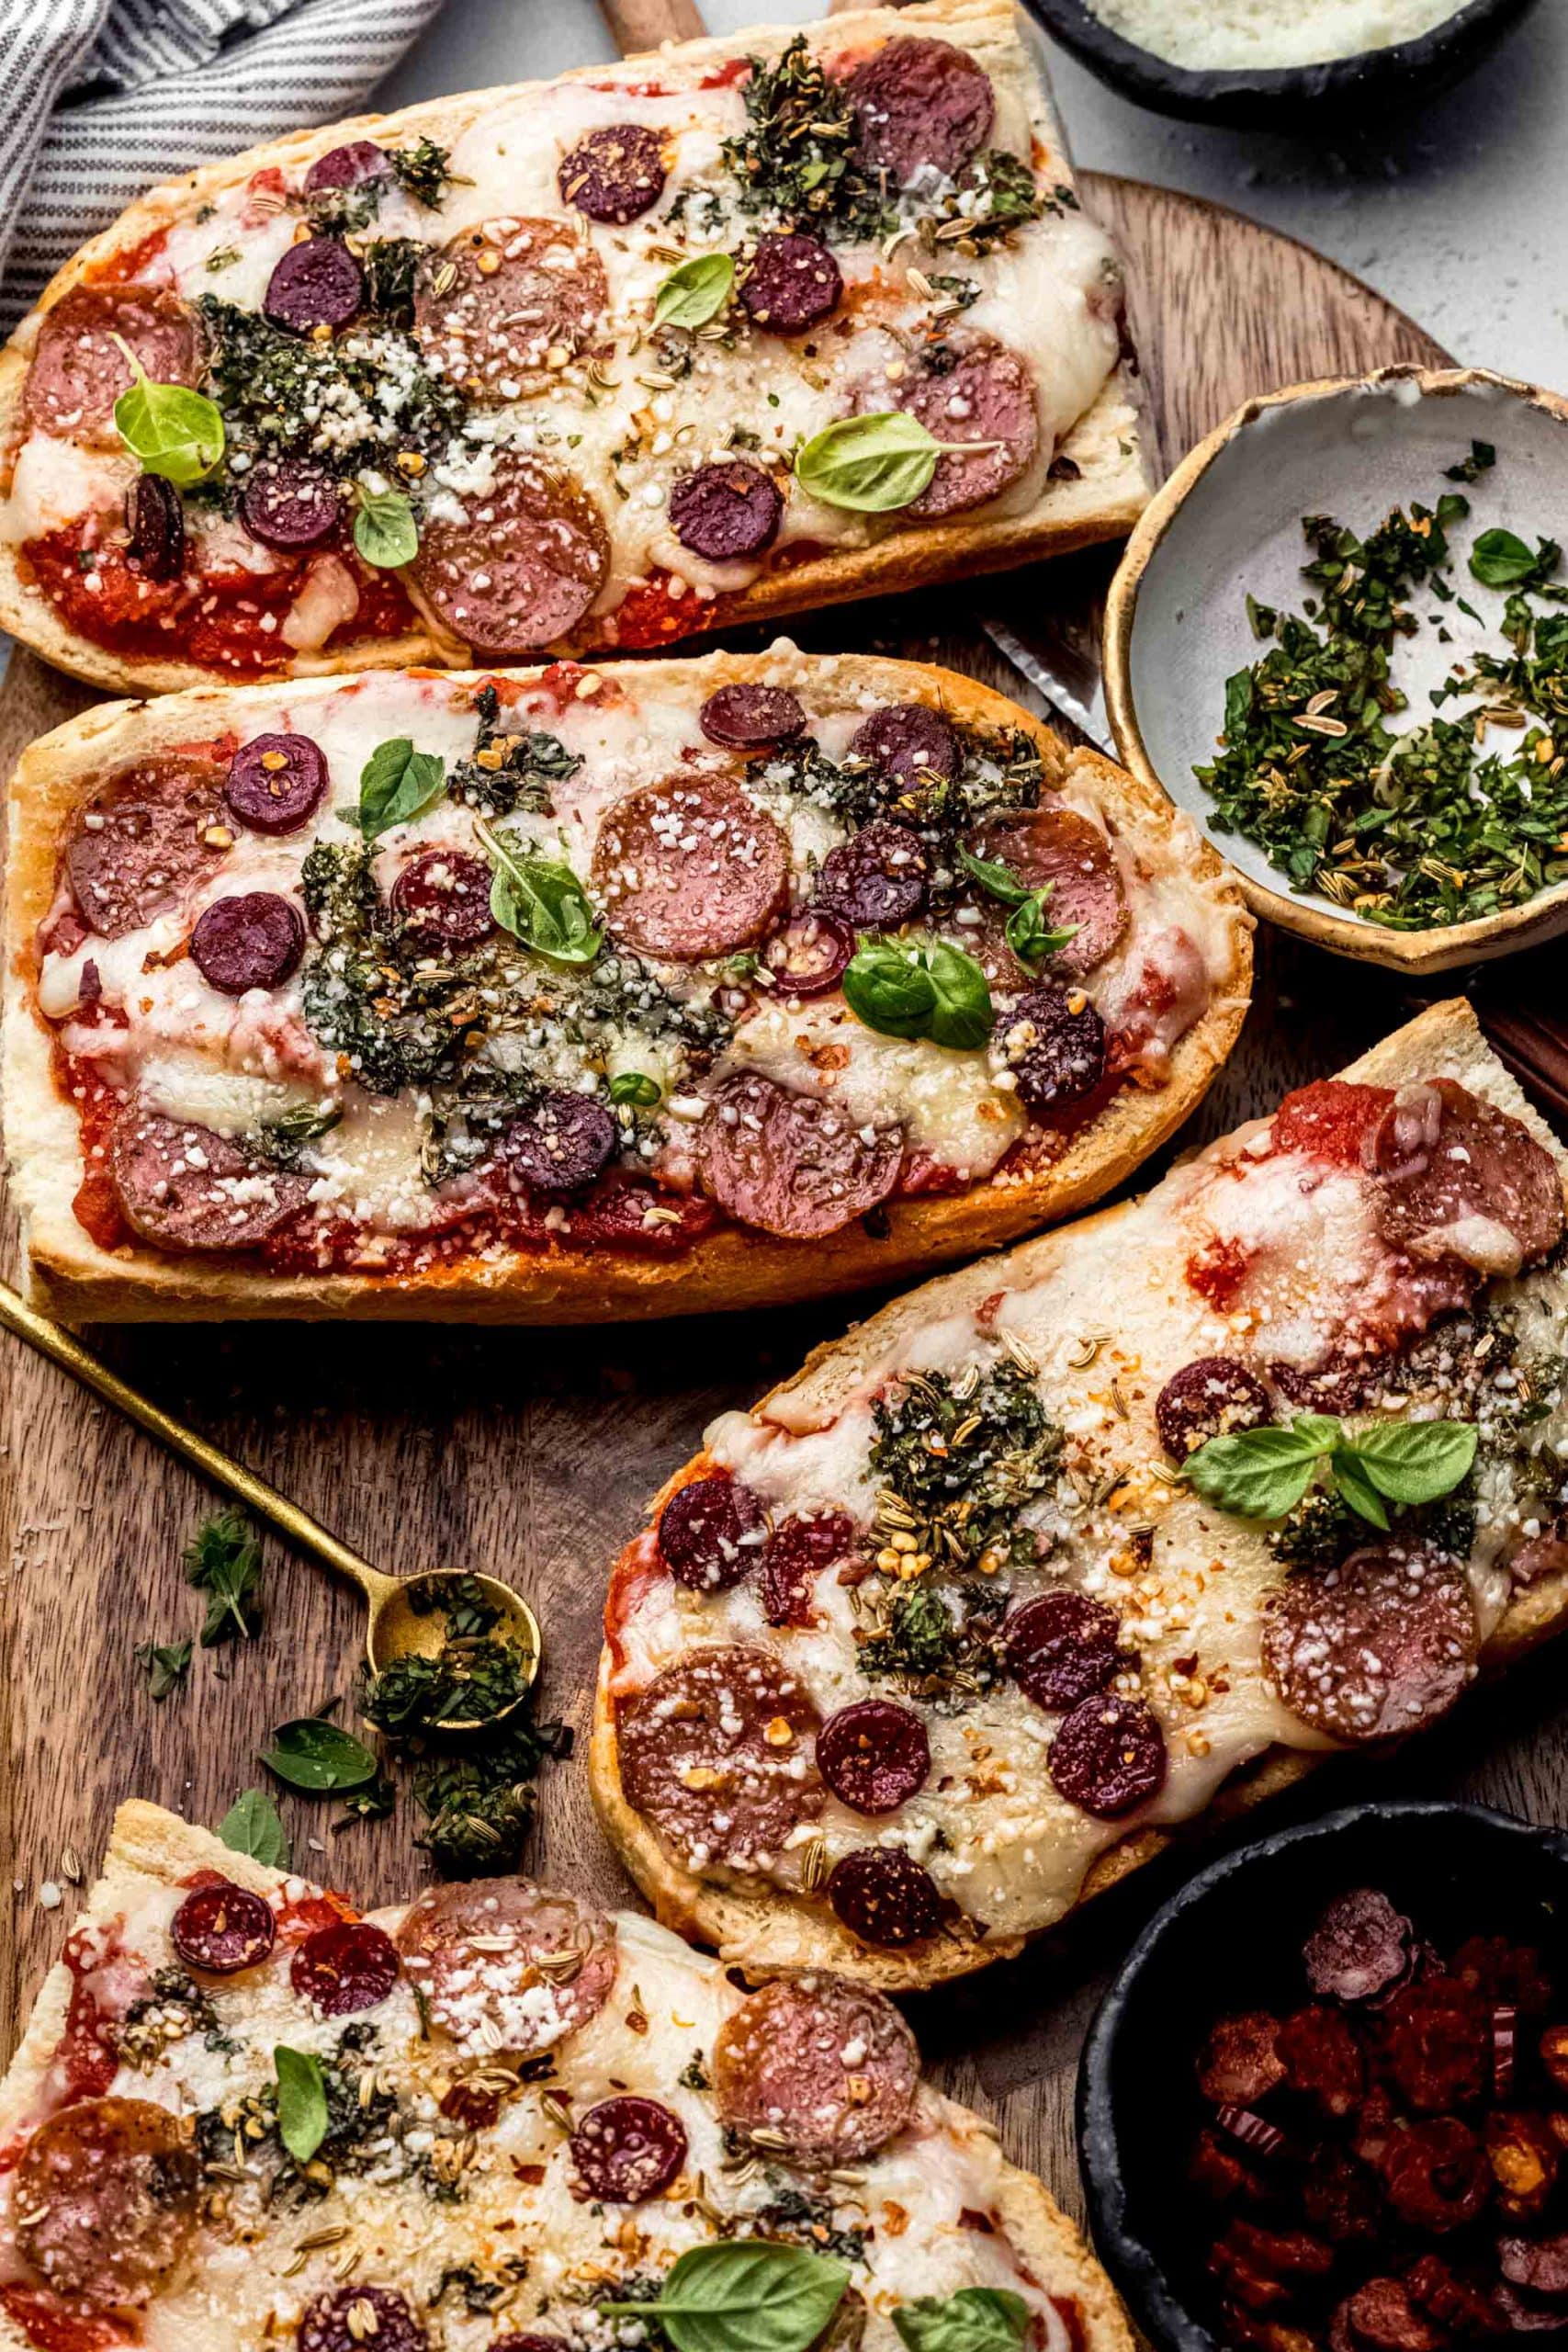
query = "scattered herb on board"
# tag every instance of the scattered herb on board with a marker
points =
(223, 1560)
(165, 1666)
(473, 1677)
(317, 1756)
(799, 156)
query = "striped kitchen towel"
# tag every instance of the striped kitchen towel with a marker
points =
(100, 98)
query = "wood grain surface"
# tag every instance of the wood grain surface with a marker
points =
(532, 1454)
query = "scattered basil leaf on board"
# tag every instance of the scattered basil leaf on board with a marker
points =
(929, 990)
(252, 1826)
(313, 1754)
(174, 431)
(385, 532)
(874, 464)
(635, 1087)
(1031, 937)
(1263, 1474)
(302, 2101)
(1415, 1462)
(695, 292)
(540, 902)
(996, 878)
(165, 1666)
(976, 2318)
(223, 1560)
(748, 2295)
(397, 784)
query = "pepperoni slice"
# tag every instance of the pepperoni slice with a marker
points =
(1378, 1646)
(1240, 2065)
(317, 283)
(1484, 1169)
(223, 1929)
(347, 1967)
(922, 106)
(710, 1532)
(136, 849)
(616, 173)
(979, 400)
(1525, 2318)
(790, 1165)
(347, 2319)
(276, 783)
(1323, 2059)
(291, 502)
(1056, 849)
(182, 1187)
(689, 869)
(791, 283)
(1063, 1648)
(1438, 2045)
(106, 2200)
(529, 2341)
(353, 164)
(563, 1143)
(810, 954)
(157, 525)
(798, 1551)
(726, 510)
(254, 941)
(503, 1965)
(79, 370)
(443, 895)
(1435, 2173)
(627, 2149)
(1214, 1397)
(877, 879)
(816, 2070)
(524, 566)
(505, 300)
(1380, 2317)
(751, 718)
(1539, 2264)
(1109, 1757)
(884, 1897)
(1361, 1946)
(1054, 1041)
(714, 1753)
(908, 743)
(875, 1756)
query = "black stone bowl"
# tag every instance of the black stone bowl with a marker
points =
(1380, 82)
(1231, 1938)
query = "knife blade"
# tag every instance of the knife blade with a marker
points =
(1045, 622)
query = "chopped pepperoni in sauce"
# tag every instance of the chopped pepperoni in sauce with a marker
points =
(86, 2060)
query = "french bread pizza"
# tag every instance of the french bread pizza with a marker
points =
(742, 328)
(576, 994)
(244, 2116)
(1141, 1518)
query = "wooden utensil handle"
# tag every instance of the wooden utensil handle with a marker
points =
(638, 25)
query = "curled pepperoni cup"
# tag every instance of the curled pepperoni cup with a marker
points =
(79, 370)
(881, 1894)
(921, 104)
(616, 173)
(716, 1753)
(506, 300)
(350, 2318)
(1436, 2045)
(503, 1965)
(1380, 2317)
(291, 502)
(1436, 2175)
(317, 283)
(790, 1165)
(525, 564)
(751, 718)
(223, 1929)
(1063, 1648)
(815, 2070)
(793, 281)
(443, 895)
(710, 1532)
(1054, 1041)
(980, 402)
(1055, 850)
(1109, 1757)
(1214, 1397)
(106, 2203)
(275, 783)
(136, 849)
(799, 1551)
(727, 510)
(874, 1754)
(347, 1967)
(183, 1187)
(156, 522)
(1539, 2264)
(875, 880)
(1375, 1647)
(1240, 2065)
(563, 1143)
(354, 164)
(690, 867)
(810, 954)
(254, 941)
(909, 744)
(627, 2149)
(1361, 1946)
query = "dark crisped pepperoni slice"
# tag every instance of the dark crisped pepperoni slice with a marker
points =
(503, 1965)
(715, 1752)
(1359, 1948)
(816, 2070)
(106, 2200)
(79, 371)
(1375, 1647)
(317, 283)
(876, 879)
(1484, 1168)
(1063, 1648)
(291, 502)
(1054, 1045)
(348, 2318)
(1323, 2059)
(182, 1187)
(710, 1532)
(443, 894)
(615, 174)
(1554, 2055)
(223, 1929)
(690, 867)
(922, 106)
(874, 1754)
(798, 1550)
(506, 300)
(525, 565)
(563, 1143)
(345, 1968)
(1504, 1972)
(791, 283)
(909, 743)
(254, 941)
(790, 1165)
(1220, 2173)
(157, 525)
(751, 718)
(275, 783)
(627, 2149)
(979, 402)
(1108, 1757)
(1215, 1396)
(1436, 2045)
(884, 1897)
(1240, 2063)
(1453, 2301)
(1539, 2264)
(726, 510)
(1055, 850)
(136, 848)
(1339, 2197)
(1380, 2317)
(810, 954)
(353, 164)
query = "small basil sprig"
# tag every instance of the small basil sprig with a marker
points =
(1028, 934)
(1263, 1474)
(384, 529)
(397, 784)
(695, 292)
(174, 431)
(540, 902)
(634, 1086)
(302, 2101)
(976, 2318)
(874, 464)
(748, 2295)
(929, 990)
(252, 1826)
(313, 1754)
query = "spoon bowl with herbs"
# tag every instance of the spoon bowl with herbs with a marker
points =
(1338, 640)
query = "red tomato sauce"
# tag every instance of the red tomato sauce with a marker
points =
(86, 2061)
(300, 1919)
(128, 264)
(53, 2327)
(653, 614)
(98, 1105)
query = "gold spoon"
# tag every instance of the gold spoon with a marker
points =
(396, 1629)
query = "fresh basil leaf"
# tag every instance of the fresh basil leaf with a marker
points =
(302, 2101)
(747, 2295)
(997, 880)
(1348, 1474)
(873, 464)
(889, 990)
(695, 292)
(313, 1754)
(397, 784)
(1501, 559)
(1031, 937)
(1259, 1474)
(384, 529)
(1415, 1462)
(540, 902)
(174, 431)
(976, 2318)
(962, 1016)
(165, 1666)
(252, 1826)
(223, 1560)
(633, 1087)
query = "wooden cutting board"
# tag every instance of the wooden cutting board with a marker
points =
(533, 1455)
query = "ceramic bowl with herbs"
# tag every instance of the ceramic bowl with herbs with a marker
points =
(1338, 640)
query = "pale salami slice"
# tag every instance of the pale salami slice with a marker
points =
(223, 1929)
(506, 301)
(106, 2200)
(1540, 2264)
(133, 851)
(1056, 849)
(1064, 1648)
(444, 895)
(276, 783)
(627, 2149)
(799, 1551)
(157, 525)
(1482, 1188)
(1525, 2318)
(884, 1897)
(1380, 2317)
(815, 2070)
(291, 502)
(252, 941)
(525, 566)
(876, 879)
(349, 2318)
(1376, 1647)
(1361, 1946)
(711, 1532)
(922, 106)
(751, 718)
(350, 1966)
(689, 869)
(183, 1187)
(715, 1752)
(1214, 1396)
(1054, 1045)
(1109, 1757)
(563, 1143)
(791, 283)
(317, 283)
(874, 1754)
(79, 371)
(908, 743)
(616, 173)
(979, 399)
(726, 510)
(790, 1165)
(503, 1965)
(354, 164)
(810, 954)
